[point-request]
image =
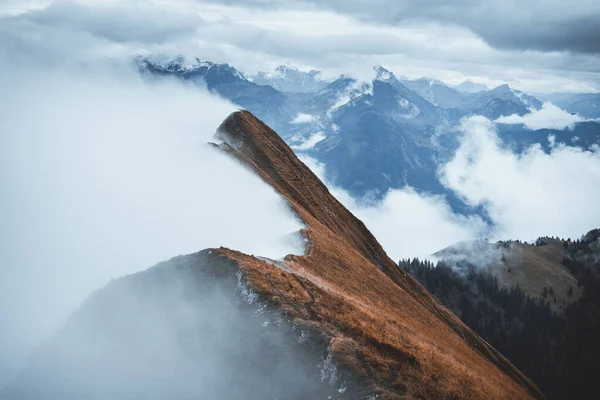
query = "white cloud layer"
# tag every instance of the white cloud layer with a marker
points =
(406, 223)
(104, 175)
(548, 117)
(527, 195)
(311, 142)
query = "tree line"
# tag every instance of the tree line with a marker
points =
(559, 352)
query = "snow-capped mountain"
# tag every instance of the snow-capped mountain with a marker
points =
(211, 73)
(288, 78)
(397, 96)
(436, 92)
(224, 80)
(373, 136)
(469, 86)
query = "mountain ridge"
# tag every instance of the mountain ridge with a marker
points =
(352, 231)
(380, 333)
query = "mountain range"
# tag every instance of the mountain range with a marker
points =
(377, 135)
(585, 104)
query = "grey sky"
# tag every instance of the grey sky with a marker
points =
(538, 48)
(552, 25)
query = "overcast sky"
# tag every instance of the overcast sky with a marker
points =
(75, 140)
(550, 46)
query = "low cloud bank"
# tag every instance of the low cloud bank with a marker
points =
(548, 117)
(530, 194)
(311, 142)
(105, 175)
(407, 223)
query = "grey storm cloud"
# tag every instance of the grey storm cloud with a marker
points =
(481, 40)
(578, 35)
(125, 23)
(546, 26)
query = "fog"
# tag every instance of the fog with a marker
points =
(104, 175)
(186, 329)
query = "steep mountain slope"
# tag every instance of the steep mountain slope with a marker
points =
(376, 331)
(380, 137)
(288, 78)
(495, 289)
(535, 269)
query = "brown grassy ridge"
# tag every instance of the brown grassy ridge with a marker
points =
(385, 329)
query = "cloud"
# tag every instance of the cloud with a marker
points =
(548, 117)
(413, 40)
(410, 224)
(302, 118)
(547, 26)
(526, 195)
(128, 21)
(104, 175)
(405, 222)
(311, 142)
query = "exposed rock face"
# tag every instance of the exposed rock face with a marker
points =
(350, 323)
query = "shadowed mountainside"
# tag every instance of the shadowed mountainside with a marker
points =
(537, 304)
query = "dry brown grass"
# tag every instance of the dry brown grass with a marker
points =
(532, 268)
(384, 328)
